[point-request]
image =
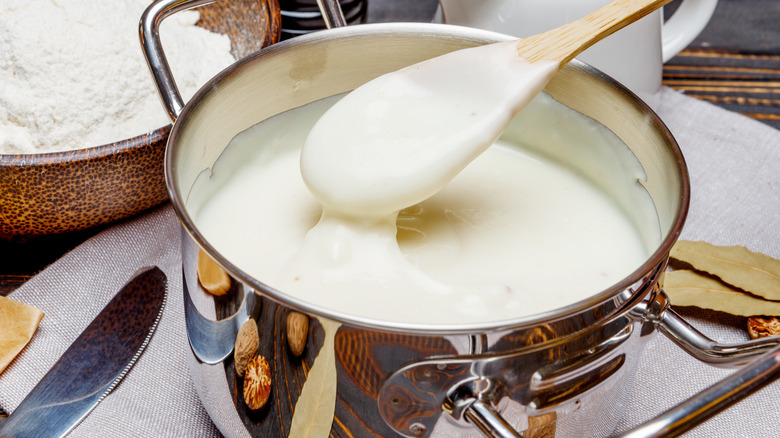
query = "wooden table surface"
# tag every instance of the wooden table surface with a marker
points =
(734, 63)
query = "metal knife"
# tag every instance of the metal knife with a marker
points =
(95, 363)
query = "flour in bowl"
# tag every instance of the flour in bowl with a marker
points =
(72, 73)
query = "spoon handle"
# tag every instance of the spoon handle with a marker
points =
(564, 43)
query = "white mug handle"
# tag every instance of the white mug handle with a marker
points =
(685, 24)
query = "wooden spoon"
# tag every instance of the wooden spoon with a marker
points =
(566, 42)
(400, 138)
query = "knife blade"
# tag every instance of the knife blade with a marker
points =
(96, 361)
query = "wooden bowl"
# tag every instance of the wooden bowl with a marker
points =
(42, 194)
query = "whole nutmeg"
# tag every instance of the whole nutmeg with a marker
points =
(763, 326)
(297, 332)
(257, 383)
(247, 342)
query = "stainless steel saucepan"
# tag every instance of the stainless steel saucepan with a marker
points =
(568, 372)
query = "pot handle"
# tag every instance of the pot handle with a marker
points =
(149, 34)
(709, 402)
(332, 13)
(671, 324)
(762, 357)
(675, 421)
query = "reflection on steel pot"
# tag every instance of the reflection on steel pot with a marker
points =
(566, 372)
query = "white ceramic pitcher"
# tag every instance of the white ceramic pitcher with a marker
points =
(634, 56)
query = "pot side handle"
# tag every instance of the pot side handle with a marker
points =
(675, 421)
(332, 13)
(695, 343)
(712, 400)
(761, 357)
(149, 34)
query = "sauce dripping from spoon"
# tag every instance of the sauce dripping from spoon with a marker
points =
(399, 139)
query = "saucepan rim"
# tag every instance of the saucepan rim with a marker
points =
(656, 261)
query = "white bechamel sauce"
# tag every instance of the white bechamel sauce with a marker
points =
(513, 234)
(400, 138)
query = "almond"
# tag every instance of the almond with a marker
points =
(213, 279)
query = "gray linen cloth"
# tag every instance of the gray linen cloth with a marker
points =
(735, 171)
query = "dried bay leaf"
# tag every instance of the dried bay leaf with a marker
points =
(541, 426)
(690, 288)
(316, 406)
(18, 323)
(751, 271)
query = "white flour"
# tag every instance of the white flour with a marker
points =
(72, 73)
